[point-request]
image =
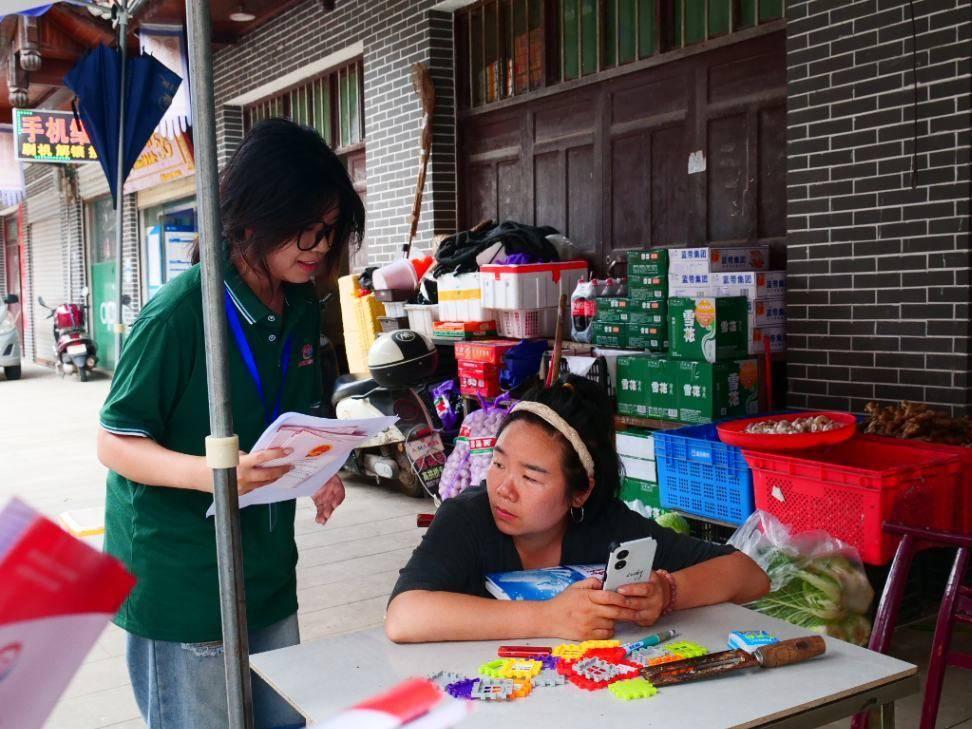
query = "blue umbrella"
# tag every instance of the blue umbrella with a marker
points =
(96, 82)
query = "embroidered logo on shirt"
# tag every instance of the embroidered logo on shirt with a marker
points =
(306, 355)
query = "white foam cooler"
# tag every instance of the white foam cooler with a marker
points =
(528, 285)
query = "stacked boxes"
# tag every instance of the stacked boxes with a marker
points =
(639, 489)
(638, 321)
(479, 365)
(708, 329)
(686, 391)
(738, 271)
(359, 314)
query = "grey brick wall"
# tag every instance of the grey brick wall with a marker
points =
(395, 34)
(879, 261)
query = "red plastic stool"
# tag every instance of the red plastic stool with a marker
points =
(956, 606)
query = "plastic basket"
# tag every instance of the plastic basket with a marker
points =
(421, 317)
(395, 309)
(700, 475)
(527, 324)
(963, 499)
(849, 490)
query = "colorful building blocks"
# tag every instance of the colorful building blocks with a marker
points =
(633, 688)
(548, 678)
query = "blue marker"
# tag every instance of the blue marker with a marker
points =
(650, 640)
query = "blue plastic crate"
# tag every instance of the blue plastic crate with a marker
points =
(699, 474)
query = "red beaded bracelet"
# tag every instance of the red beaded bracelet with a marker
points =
(672, 592)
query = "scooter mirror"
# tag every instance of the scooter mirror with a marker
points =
(11, 299)
(40, 300)
(126, 300)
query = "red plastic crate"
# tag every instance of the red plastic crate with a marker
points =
(849, 490)
(963, 497)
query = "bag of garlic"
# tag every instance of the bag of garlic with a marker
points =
(470, 458)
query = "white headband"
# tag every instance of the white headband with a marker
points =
(549, 416)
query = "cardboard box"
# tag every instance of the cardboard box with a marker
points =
(751, 284)
(463, 330)
(650, 281)
(647, 492)
(621, 311)
(478, 379)
(718, 258)
(636, 443)
(650, 262)
(649, 337)
(766, 313)
(640, 469)
(708, 329)
(776, 335)
(490, 351)
(650, 293)
(646, 387)
(708, 391)
(656, 310)
(610, 334)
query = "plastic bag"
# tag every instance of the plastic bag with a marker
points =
(470, 458)
(816, 581)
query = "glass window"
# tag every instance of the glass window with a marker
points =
(101, 236)
(168, 236)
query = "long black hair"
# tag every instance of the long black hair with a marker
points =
(587, 409)
(280, 181)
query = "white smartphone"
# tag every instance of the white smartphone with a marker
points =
(630, 562)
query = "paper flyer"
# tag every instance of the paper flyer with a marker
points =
(57, 594)
(320, 447)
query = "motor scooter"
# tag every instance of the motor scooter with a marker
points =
(74, 349)
(9, 339)
(411, 453)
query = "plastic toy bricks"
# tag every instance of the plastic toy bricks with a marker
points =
(462, 689)
(594, 673)
(657, 655)
(515, 668)
(686, 649)
(594, 644)
(548, 678)
(569, 651)
(442, 679)
(493, 689)
(633, 688)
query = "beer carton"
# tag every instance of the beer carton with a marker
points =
(650, 262)
(708, 329)
(610, 334)
(650, 337)
(654, 310)
(718, 258)
(646, 387)
(639, 468)
(622, 311)
(710, 391)
(635, 443)
(648, 288)
(647, 492)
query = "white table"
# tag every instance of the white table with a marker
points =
(322, 677)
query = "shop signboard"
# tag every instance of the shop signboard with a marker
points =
(51, 136)
(163, 160)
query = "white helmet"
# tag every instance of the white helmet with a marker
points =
(403, 358)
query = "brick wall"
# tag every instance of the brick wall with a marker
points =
(878, 261)
(395, 34)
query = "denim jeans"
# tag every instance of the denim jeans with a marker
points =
(183, 685)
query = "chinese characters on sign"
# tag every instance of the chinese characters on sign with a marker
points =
(51, 136)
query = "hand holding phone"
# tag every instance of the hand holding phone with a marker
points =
(630, 562)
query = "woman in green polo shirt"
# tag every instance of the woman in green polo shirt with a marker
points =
(288, 209)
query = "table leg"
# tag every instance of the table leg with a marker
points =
(887, 715)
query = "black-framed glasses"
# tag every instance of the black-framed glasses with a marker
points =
(323, 233)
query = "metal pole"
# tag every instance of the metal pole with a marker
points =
(232, 596)
(120, 181)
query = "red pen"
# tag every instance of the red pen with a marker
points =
(523, 651)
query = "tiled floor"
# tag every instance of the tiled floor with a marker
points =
(346, 569)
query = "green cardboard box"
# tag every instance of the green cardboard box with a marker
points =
(648, 493)
(610, 334)
(648, 293)
(656, 311)
(650, 337)
(708, 329)
(650, 262)
(709, 391)
(622, 311)
(646, 387)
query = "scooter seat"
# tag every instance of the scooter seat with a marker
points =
(351, 386)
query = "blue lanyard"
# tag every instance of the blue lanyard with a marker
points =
(236, 326)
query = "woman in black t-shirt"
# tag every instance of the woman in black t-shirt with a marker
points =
(551, 498)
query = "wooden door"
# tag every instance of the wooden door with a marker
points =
(689, 152)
